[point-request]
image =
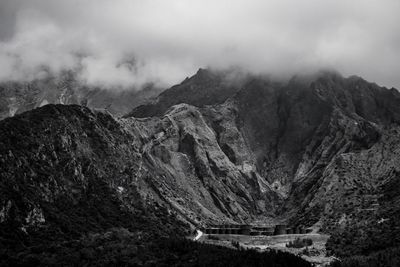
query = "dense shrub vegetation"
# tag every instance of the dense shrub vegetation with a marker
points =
(100, 231)
(299, 243)
(120, 247)
(385, 258)
(142, 243)
(374, 241)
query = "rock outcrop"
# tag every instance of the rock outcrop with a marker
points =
(206, 87)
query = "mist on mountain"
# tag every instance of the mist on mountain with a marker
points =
(130, 43)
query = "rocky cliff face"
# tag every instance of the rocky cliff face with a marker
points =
(298, 137)
(196, 176)
(57, 158)
(206, 87)
(259, 151)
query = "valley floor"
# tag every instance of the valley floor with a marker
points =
(316, 253)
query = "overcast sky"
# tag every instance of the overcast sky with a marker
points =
(130, 42)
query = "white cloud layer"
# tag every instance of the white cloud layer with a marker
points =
(131, 42)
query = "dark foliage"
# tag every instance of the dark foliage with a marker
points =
(374, 241)
(299, 243)
(384, 258)
(235, 244)
(61, 206)
(120, 247)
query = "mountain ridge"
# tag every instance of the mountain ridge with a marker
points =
(66, 88)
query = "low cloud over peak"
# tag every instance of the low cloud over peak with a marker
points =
(127, 43)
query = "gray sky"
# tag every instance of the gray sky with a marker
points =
(130, 42)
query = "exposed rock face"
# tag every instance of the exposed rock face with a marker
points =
(263, 149)
(62, 154)
(206, 87)
(195, 175)
(290, 136)
(350, 185)
(17, 97)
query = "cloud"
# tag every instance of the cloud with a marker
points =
(132, 42)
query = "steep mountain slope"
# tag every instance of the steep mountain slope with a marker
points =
(78, 187)
(362, 114)
(57, 162)
(58, 152)
(206, 87)
(369, 230)
(291, 135)
(17, 97)
(369, 185)
(60, 168)
(195, 175)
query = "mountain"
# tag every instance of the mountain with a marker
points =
(65, 88)
(297, 139)
(217, 148)
(206, 87)
(327, 146)
(80, 187)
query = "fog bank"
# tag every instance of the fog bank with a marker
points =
(131, 42)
